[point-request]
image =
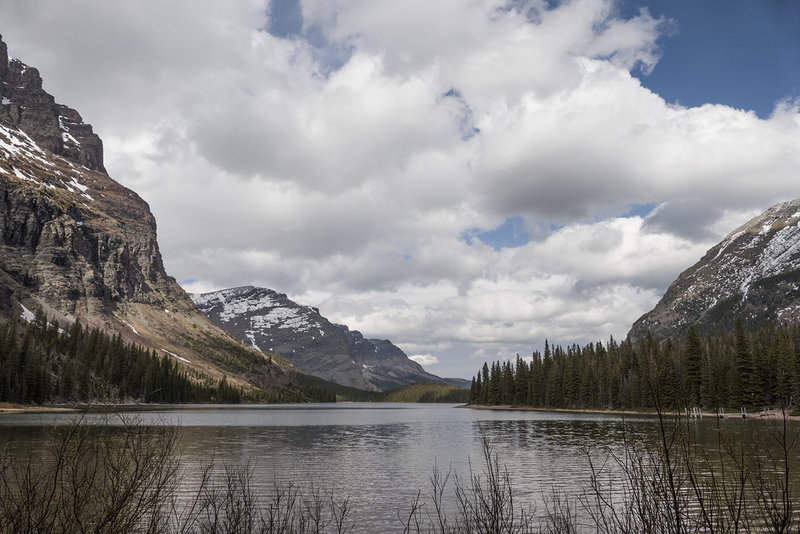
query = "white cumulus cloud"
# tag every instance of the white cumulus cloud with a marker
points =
(345, 165)
(425, 360)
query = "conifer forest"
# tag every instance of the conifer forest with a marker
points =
(40, 362)
(753, 370)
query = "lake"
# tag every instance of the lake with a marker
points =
(381, 455)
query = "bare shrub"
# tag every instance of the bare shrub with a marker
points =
(485, 502)
(100, 479)
(125, 478)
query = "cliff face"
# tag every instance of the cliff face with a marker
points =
(53, 127)
(272, 323)
(753, 274)
(71, 235)
(80, 245)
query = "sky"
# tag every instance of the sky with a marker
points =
(466, 178)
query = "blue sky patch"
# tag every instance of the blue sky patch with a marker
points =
(465, 121)
(743, 54)
(286, 18)
(286, 21)
(639, 210)
(510, 234)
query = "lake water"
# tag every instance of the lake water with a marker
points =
(381, 455)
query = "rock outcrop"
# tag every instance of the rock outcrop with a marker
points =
(71, 235)
(752, 275)
(271, 322)
(53, 127)
(81, 246)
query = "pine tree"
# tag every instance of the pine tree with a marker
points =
(495, 384)
(475, 390)
(742, 384)
(485, 385)
(507, 384)
(693, 361)
(786, 370)
(521, 382)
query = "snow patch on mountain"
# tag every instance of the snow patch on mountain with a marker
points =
(262, 317)
(19, 152)
(65, 135)
(181, 358)
(26, 315)
(264, 309)
(748, 274)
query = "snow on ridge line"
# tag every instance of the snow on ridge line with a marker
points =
(779, 252)
(263, 308)
(727, 242)
(229, 309)
(241, 307)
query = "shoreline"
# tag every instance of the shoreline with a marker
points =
(766, 414)
(8, 407)
(775, 414)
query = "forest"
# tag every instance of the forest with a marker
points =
(40, 362)
(750, 370)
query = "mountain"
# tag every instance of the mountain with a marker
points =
(270, 322)
(81, 246)
(753, 274)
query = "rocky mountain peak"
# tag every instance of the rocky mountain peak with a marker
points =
(81, 246)
(25, 105)
(272, 323)
(752, 274)
(72, 240)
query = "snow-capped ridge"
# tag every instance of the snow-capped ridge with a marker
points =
(753, 273)
(271, 322)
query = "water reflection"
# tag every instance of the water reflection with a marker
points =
(381, 455)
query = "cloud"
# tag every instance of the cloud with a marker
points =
(425, 360)
(344, 157)
(687, 217)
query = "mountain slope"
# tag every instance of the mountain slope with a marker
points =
(270, 322)
(81, 246)
(753, 274)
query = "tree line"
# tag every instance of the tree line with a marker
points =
(742, 369)
(40, 362)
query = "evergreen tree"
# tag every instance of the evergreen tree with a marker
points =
(475, 390)
(485, 384)
(521, 382)
(742, 384)
(786, 370)
(694, 362)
